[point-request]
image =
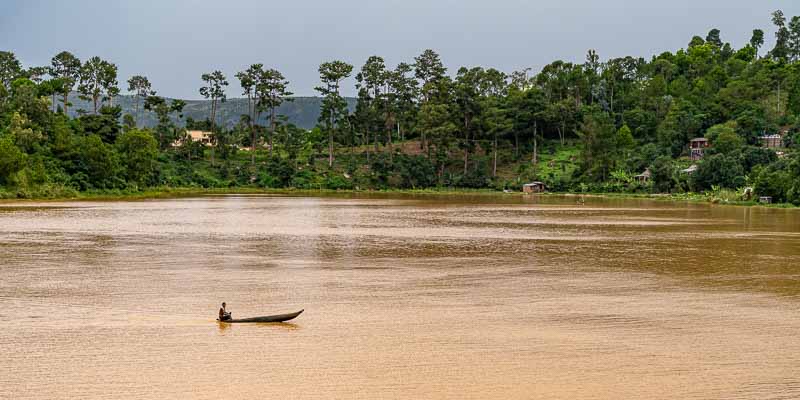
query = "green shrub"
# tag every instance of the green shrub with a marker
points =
(338, 182)
(774, 180)
(718, 170)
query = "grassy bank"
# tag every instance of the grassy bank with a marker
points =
(721, 198)
(176, 192)
(699, 198)
(709, 198)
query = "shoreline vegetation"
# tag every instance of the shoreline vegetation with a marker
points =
(189, 192)
(706, 123)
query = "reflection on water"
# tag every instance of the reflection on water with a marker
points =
(405, 296)
(287, 326)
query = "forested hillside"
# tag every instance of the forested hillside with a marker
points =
(616, 125)
(301, 111)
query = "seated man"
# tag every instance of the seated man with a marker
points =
(224, 315)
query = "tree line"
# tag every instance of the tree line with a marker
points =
(589, 126)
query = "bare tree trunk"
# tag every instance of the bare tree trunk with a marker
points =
(466, 159)
(136, 109)
(375, 141)
(389, 137)
(612, 98)
(251, 110)
(466, 144)
(66, 101)
(366, 143)
(272, 131)
(213, 124)
(535, 159)
(494, 163)
(388, 121)
(330, 149)
(252, 145)
(330, 143)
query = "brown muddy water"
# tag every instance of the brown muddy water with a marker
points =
(430, 297)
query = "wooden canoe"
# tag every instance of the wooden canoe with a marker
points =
(269, 318)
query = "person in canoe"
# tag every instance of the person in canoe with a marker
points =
(224, 315)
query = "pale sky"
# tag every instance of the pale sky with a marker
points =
(174, 42)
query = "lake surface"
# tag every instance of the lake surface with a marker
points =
(436, 297)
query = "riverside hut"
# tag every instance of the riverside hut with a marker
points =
(534, 187)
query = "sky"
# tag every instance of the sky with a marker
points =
(174, 42)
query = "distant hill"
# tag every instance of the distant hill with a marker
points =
(302, 111)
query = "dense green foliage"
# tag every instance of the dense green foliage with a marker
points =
(592, 126)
